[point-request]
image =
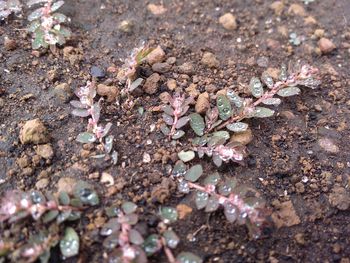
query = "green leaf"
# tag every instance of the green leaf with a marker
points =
(283, 75)
(197, 124)
(36, 14)
(56, 6)
(237, 126)
(168, 214)
(164, 129)
(224, 107)
(222, 134)
(66, 32)
(212, 205)
(152, 244)
(272, 101)
(256, 87)
(34, 26)
(49, 216)
(201, 199)
(261, 112)
(63, 198)
(85, 193)
(109, 143)
(231, 212)
(267, 79)
(234, 98)
(194, 173)
(135, 84)
(287, 92)
(212, 179)
(179, 169)
(178, 134)
(61, 18)
(188, 257)
(186, 156)
(86, 137)
(171, 239)
(129, 207)
(38, 39)
(135, 237)
(69, 245)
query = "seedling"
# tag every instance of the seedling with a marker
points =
(50, 212)
(86, 107)
(46, 24)
(240, 203)
(174, 116)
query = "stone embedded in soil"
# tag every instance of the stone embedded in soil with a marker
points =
(156, 9)
(66, 184)
(277, 7)
(186, 68)
(171, 84)
(228, 21)
(161, 67)
(339, 198)
(42, 183)
(151, 85)
(326, 46)
(45, 151)
(192, 90)
(297, 9)
(111, 92)
(210, 60)
(63, 92)
(202, 104)
(146, 158)
(34, 131)
(107, 179)
(23, 161)
(328, 145)
(285, 215)
(10, 44)
(165, 97)
(97, 72)
(183, 210)
(156, 56)
(243, 138)
(126, 26)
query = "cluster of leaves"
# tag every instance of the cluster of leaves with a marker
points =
(86, 107)
(126, 244)
(7, 7)
(240, 203)
(174, 116)
(231, 110)
(15, 206)
(46, 24)
(131, 65)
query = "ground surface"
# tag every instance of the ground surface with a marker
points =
(306, 185)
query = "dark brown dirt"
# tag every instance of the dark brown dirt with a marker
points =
(306, 186)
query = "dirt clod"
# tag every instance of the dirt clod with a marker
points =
(151, 85)
(34, 131)
(228, 21)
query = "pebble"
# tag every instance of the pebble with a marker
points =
(326, 46)
(10, 44)
(228, 21)
(111, 92)
(277, 7)
(107, 179)
(66, 184)
(186, 68)
(183, 210)
(171, 84)
(97, 72)
(242, 137)
(202, 104)
(319, 33)
(151, 85)
(165, 97)
(156, 56)
(297, 9)
(126, 26)
(161, 67)
(339, 198)
(34, 131)
(210, 60)
(146, 158)
(42, 183)
(328, 145)
(63, 92)
(23, 162)
(45, 151)
(156, 9)
(285, 215)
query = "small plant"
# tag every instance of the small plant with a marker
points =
(295, 39)
(126, 243)
(129, 69)
(240, 203)
(46, 209)
(174, 116)
(86, 107)
(7, 7)
(46, 24)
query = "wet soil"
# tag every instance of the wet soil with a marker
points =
(306, 185)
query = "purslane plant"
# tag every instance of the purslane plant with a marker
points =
(45, 209)
(125, 243)
(86, 107)
(46, 24)
(174, 116)
(240, 203)
(7, 7)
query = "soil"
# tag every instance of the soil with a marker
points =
(298, 159)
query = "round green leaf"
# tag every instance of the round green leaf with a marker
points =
(168, 214)
(224, 107)
(186, 156)
(69, 245)
(261, 112)
(194, 173)
(197, 124)
(188, 257)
